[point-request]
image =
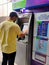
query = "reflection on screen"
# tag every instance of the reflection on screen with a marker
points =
(25, 27)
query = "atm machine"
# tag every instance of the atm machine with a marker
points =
(38, 40)
(22, 54)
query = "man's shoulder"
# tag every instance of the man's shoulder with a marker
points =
(3, 22)
(16, 25)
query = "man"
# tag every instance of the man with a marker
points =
(8, 34)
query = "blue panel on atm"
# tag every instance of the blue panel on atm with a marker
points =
(42, 28)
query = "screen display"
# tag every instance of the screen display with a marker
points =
(25, 19)
(25, 27)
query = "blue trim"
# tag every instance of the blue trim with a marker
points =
(17, 9)
(38, 6)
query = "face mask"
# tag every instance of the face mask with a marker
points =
(16, 21)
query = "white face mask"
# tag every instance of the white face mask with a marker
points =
(16, 21)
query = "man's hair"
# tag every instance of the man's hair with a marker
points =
(12, 14)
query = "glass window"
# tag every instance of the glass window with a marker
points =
(5, 10)
(9, 0)
(0, 11)
(0, 1)
(17, 0)
(5, 7)
(4, 1)
(9, 7)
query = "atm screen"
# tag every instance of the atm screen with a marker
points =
(25, 18)
(25, 27)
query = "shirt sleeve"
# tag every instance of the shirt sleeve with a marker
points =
(1, 36)
(18, 31)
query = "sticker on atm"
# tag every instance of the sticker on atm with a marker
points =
(42, 28)
(41, 45)
(40, 57)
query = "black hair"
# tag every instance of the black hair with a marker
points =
(12, 14)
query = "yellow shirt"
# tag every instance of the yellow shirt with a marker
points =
(11, 30)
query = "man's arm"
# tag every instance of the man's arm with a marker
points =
(20, 33)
